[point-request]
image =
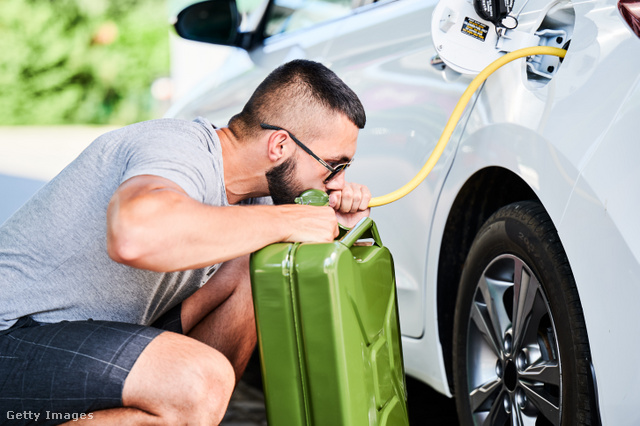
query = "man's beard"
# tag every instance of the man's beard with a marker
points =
(281, 181)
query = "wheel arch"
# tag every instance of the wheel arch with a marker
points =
(483, 193)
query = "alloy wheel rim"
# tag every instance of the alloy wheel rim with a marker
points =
(514, 370)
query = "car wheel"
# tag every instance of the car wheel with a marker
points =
(521, 353)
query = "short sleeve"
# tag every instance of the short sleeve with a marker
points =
(173, 150)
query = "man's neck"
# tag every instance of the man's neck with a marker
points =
(244, 173)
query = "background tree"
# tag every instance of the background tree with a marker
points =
(81, 61)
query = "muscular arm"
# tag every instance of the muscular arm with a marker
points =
(153, 224)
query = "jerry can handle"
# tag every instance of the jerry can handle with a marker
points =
(365, 228)
(316, 197)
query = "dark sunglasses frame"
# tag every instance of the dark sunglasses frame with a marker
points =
(333, 170)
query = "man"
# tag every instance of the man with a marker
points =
(124, 282)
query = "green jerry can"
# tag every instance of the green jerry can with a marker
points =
(328, 332)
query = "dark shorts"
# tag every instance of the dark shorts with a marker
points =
(53, 373)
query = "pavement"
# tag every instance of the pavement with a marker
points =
(31, 156)
(426, 406)
(246, 407)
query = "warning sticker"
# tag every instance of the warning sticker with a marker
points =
(475, 29)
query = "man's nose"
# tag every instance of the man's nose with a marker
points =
(337, 183)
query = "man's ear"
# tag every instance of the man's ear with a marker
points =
(278, 146)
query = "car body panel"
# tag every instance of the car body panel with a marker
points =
(570, 142)
(605, 255)
(407, 103)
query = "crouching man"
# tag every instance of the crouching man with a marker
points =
(124, 282)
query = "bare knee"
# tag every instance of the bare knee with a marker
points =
(210, 382)
(180, 381)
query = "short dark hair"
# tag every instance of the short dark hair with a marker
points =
(292, 95)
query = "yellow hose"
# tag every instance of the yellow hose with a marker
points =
(455, 117)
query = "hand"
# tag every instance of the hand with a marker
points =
(351, 203)
(309, 223)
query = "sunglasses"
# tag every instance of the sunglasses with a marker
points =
(334, 170)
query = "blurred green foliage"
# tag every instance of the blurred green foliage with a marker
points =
(81, 61)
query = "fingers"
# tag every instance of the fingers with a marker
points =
(351, 199)
(350, 220)
(320, 224)
(311, 223)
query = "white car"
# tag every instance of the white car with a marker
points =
(517, 258)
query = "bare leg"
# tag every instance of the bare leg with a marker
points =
(180, 380)
(176, 380)
(221, 314)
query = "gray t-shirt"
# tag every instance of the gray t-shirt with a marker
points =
(54, 264)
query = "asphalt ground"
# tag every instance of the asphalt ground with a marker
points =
(246, 407)
(426, 406)
(31, 156)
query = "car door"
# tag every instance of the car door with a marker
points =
(384, 52)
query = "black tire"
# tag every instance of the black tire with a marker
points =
(508, 367)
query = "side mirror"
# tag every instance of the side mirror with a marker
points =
(211, 21)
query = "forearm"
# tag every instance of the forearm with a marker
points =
(173, 232)
(162, 229)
